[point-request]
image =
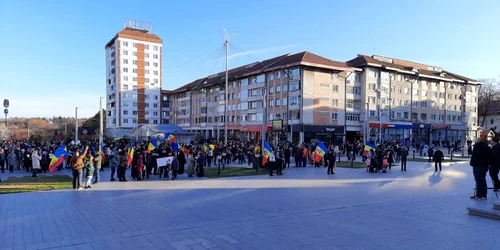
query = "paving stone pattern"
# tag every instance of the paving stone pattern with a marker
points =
(304, 209)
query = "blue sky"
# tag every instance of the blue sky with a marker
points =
(52, 51)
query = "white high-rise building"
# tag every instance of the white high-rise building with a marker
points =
(133, 79)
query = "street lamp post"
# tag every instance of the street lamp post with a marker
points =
(345, 106)
(227, 37)
(101, 123)
(76, 125)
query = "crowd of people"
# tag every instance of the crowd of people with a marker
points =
(192, 158)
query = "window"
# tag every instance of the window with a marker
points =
(135, 45)
(350, 104)
(155, 56)
(134, 112)
(146, 72)
(125, 104)
(423, 104)
(125, 112)
(334, 116)
(271, 103)
(414, 104)
(125, 61)
(372, 99)
(155, 48)
(260, 78)
(423, 117)
(335, 102)
(278, 88)
(125, 44)
(372, 113)
(125, 70)
(327, 85)
(146, 55)
(271, 90)
(125, 53)
(414, 116)
(372, 73)
(155, 64)
(155, 72)
(285, 88)
(294, 72)
(353, 117)
(294, 100)
(335, 88)
(277, 102)
(433, 117)
(125, 78)
(125, 87)
(285, 101)
(398, 115)
(134, 79)
(406, 115)
(295, 85)
(134, 71)
(134, 53)
(125, 120)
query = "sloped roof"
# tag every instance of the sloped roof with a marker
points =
(280, 62)
(401, 65)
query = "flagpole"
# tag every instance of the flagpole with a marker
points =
(101, 125)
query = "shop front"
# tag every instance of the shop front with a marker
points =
(421, 132)
(325, 133)
(393, 132)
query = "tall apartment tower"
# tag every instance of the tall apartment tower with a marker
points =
(133, 79)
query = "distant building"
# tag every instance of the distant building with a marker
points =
(416, 101)
(492, 119)
(133, 79)
(165, 107)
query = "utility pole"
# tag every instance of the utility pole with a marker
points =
(101, 121)
(76, 125)
(264, 119)
(227, 37)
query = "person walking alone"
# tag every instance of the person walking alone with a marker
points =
(404, 157)
(438, 157)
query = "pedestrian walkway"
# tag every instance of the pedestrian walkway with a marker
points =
(304, 209)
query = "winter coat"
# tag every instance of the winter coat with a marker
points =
(12, 159)
(98, 161)
(140, 163)
(191, 163)
(77, 162)
(437, 156)
(113, 159)
(36, 161)
(495, 157)
(481, 154)
(89, 167)
(175, 165)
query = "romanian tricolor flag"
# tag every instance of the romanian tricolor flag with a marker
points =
(101, 151)
(130, 154)
(57, 158)
(152, 145)
(212, 146)
(267, 151)
(185, 150)
(368, 147)
(175, 146)
(159, 139)
(320, 151)
(170, 137)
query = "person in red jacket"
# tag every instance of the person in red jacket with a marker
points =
(140, 167)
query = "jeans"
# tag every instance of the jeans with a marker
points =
(174, 174)
(34, 173)
(403, 163)
(480, 178)
(96, 174)
(113, 170)
(77, 178)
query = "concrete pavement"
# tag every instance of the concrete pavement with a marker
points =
(304, 209)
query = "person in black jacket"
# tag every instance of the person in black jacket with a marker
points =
(480, 160)
(438, 157)
(404, 156)
(495, 162)
(331, 158)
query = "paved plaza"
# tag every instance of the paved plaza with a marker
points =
(304, 209)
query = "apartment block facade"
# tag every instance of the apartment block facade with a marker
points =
(305, 91)
(133, 80)
(317, 98)
(416, 101)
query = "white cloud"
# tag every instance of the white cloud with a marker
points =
(255, 52)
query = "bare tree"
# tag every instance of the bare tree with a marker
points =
(489, 93)
(4, 132)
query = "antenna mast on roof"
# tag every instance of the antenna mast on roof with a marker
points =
(138, 25)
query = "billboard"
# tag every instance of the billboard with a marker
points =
(277, 125)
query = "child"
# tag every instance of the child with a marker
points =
(89, 167)
(140, 167)
(385, 164)
(167, 169)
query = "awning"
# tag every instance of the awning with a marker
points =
(392, 125)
